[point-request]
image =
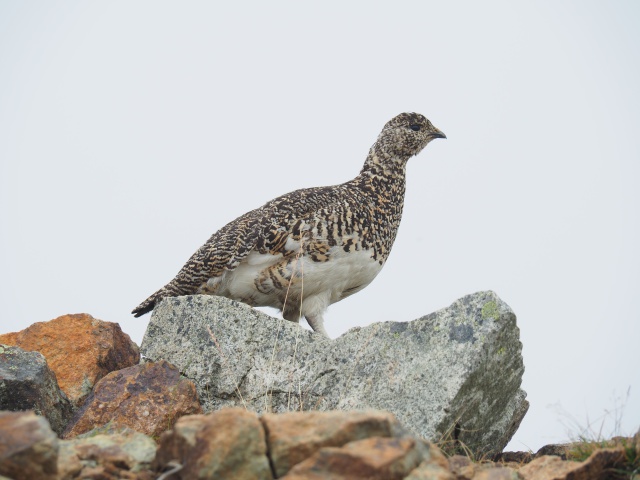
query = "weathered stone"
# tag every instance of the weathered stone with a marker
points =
(125, 454)
(28, 447)
(435, 467)
(229, 443)
(597, 466)
(27, 383)
(293, 437)
(455, 372)
(513, 457)
(371, 458)
(79, 349)
(547, 466)
(148, 398)
(462, 467)
(430, 471)
(559, 450)
(496, 473)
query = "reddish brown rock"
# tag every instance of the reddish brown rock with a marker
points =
(462, 467)
(229, 443)
(597, 466)
(79, 349)
(148, 398)
(28, 447)
(295, 436)
(27, 383)
(496, 473)
(547, 466)
(374, 458)
(513, 457)
(430, 471)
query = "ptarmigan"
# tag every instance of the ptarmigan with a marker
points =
(310, 248)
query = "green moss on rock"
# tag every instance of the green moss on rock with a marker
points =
(490, 310)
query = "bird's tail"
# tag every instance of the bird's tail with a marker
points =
(150, 303)
(145, 307)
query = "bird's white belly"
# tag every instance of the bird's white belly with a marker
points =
(342, 275)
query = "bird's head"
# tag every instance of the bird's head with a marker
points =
(405, 135)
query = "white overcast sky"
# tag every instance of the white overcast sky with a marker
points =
(131, 131)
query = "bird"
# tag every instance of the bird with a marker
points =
(313, 247)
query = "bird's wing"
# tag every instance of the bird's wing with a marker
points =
(265, 229)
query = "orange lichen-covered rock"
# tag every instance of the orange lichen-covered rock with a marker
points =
(79, 349)
(148, 398)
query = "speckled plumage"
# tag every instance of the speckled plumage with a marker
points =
(311, 247)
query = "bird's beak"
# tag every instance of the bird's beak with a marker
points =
(437, 133)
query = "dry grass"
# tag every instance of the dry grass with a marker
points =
(580, 450)
(605, 432)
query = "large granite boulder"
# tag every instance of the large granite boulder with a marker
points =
(453, 375)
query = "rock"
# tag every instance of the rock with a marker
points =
(28, 447)
(513, 457)
(559, 450)
(115, 454)
(371, 458)
(229, 444)
(545, 467)
(496, 473)
(462, 467)
(597, 466)
(27, 383)
(453, 375)
(79, 349)
(292, 437)
(148, 398)
(430, 471)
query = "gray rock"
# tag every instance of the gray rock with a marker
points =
(27, 383)
(451, 376)
(108, 447)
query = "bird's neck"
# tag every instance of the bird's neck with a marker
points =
(381, 186)
(383, 174)
(382, 180)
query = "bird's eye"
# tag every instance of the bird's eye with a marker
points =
(415, 127)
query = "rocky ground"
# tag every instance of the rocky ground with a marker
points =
(77, 404)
